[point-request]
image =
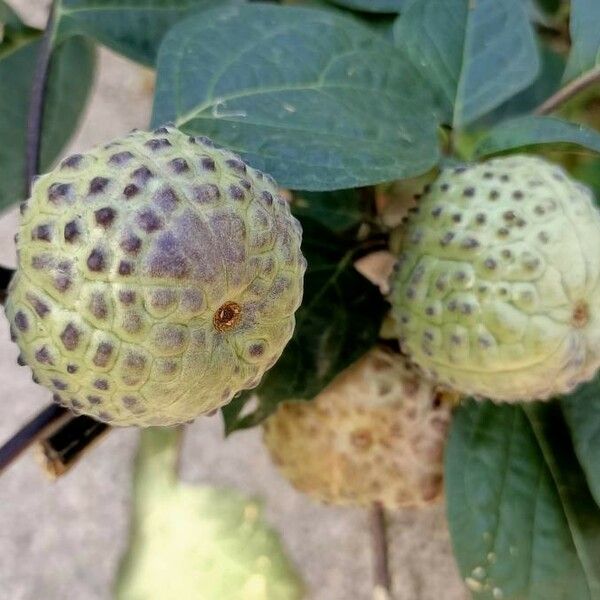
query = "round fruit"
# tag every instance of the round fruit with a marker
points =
(375, 434)
(496, 291)
(158, 276)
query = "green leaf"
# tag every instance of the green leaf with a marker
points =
(462, 47)
(314, 98)
(339, 320)
(338, 211)
(532, 131)
(69, 81)
(134, 28)
(196, 542)
(8, 17)
(547, 82)
(381, 6)
(549, 6)
(585, 37)
(588, 172)
(524, 525)
(582, 412)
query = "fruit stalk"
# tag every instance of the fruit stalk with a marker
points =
(382, 584)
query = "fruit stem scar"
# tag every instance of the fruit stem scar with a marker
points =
(580, 314)
(227, 316)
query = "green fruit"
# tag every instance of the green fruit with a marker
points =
(158, 276)
(497, 287)
(375, 434)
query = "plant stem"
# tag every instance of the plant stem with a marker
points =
(579, 84)
(65, 446)
(5, 277)
(29, 434)
(382, 583)
(36, 104)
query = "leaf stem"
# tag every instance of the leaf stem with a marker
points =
(570, 90)
(36, 103)
(382, 583)
(29, 434)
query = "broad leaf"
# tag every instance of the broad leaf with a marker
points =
(524, 525)
(8, 17)
(582, 412)
(312, 97)
(69, 81)
(382, 6)
(532, 131)
(476, 54)
(338, 211)
(546, 83)
(134, 28)
(196, 542)
(585, 37)
(339, 320)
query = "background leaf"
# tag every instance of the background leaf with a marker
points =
(314, 98)
(456, 42)
(134, 28)
(549, 6)
(582, 412)
(196, 542)
(585, 37)
(534, 130)
(69, 81)
(523, 523)
(546, 83)
(8, 16)
(339, 320)
(384, 6)
(338, 211)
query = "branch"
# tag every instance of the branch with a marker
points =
(382, 583)
(5, 277)
(573, 88)
(36, 104)
(29, 434)
(65, 446)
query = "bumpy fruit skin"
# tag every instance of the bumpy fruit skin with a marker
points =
(158, 276)
(375, 434)
(496, 292)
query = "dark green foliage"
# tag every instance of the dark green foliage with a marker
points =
(524, 524)
(69, 82)
(313, 97)
(134, 28)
